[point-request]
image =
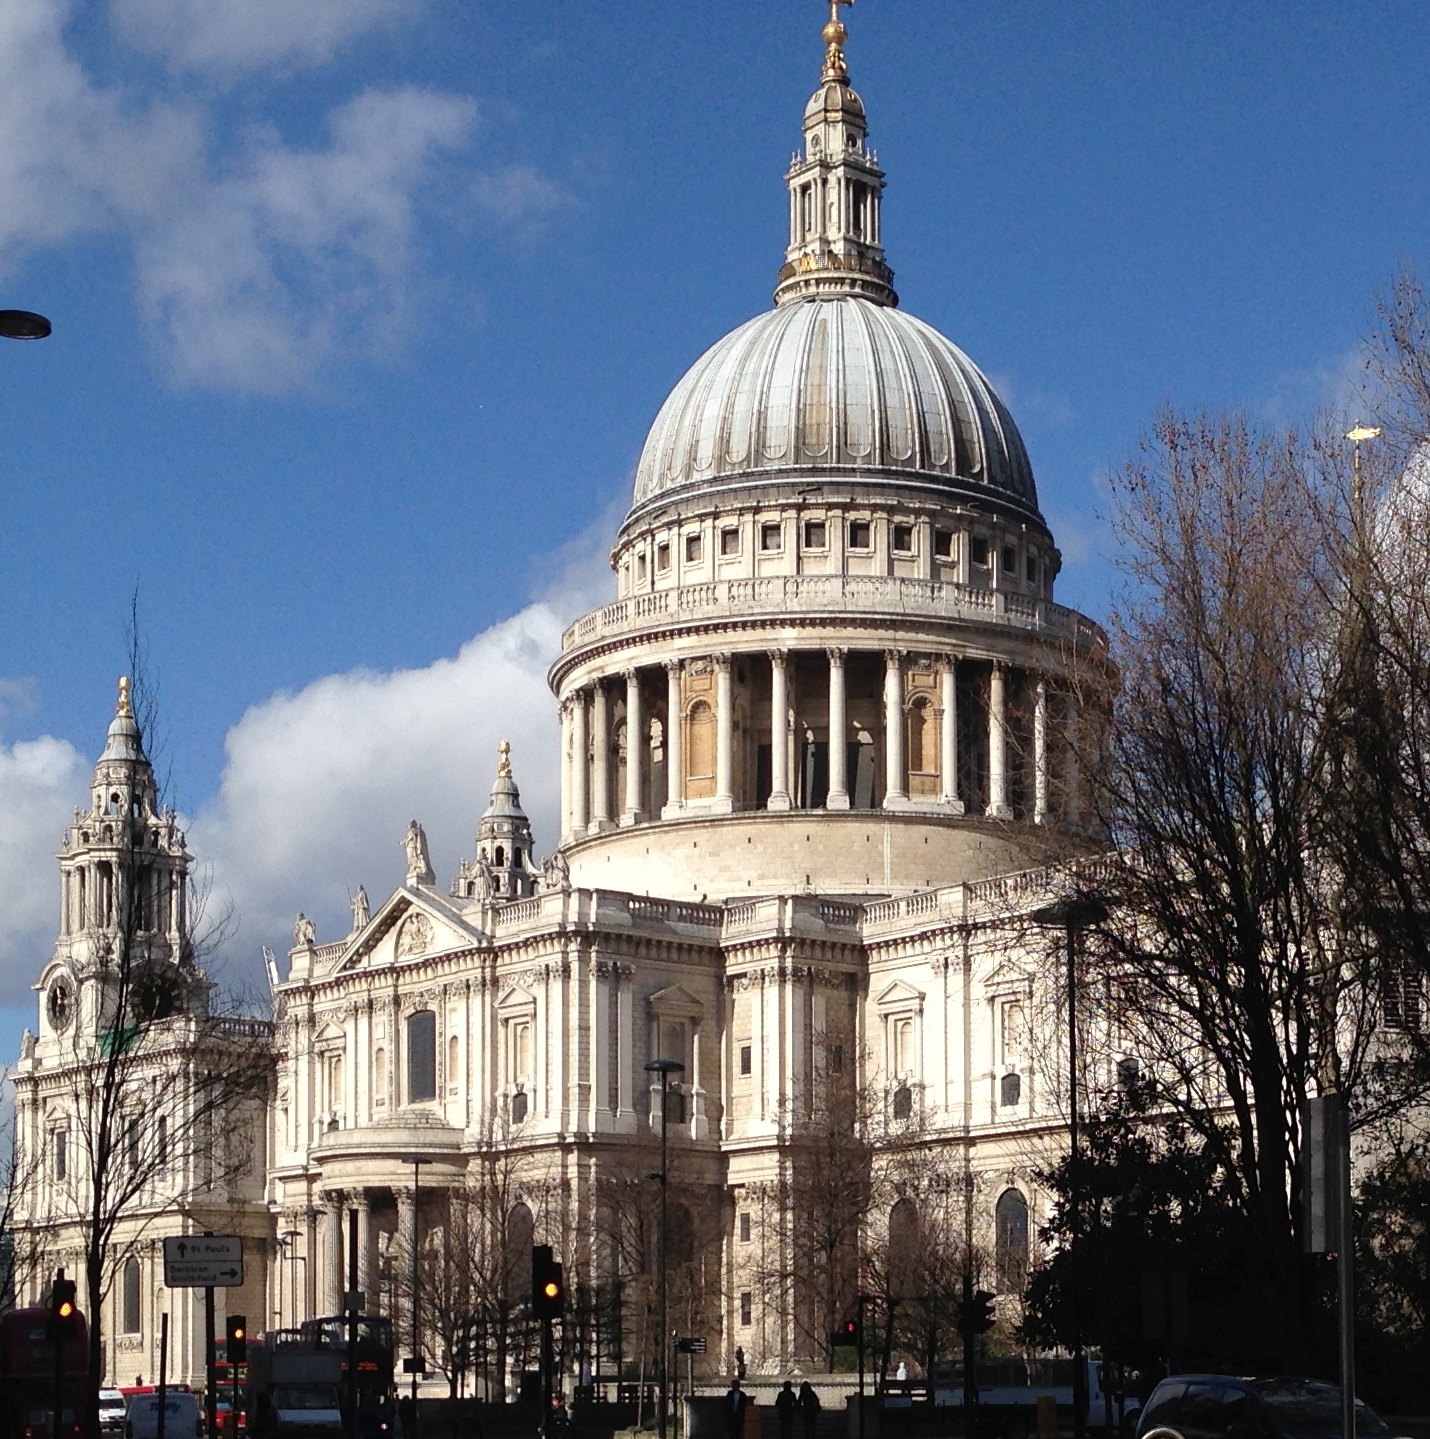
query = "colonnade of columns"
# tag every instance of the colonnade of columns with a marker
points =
(588, 754)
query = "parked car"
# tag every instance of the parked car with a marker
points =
(1220, 1406)
(183, 1419)
(111, 1412)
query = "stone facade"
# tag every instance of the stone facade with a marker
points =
(820, 759)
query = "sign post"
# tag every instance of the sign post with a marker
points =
(207, 1262)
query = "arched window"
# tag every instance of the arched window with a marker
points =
(520, 1230)
(700, 751)
(421, 1056)
(903, 1102)
(1010, 1257)
(1010, 1090)
(379, 1079)
(904, 1248)
(129, 1319)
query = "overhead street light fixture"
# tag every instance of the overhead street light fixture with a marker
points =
(23, 325)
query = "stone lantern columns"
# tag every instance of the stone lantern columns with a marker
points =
(895, 782)
(635, 750)
(779, 731)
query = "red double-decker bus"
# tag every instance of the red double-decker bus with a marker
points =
(32, 1375)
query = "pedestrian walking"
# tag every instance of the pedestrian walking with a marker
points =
(808, 1408)
(736, 1402)
(786, 1406)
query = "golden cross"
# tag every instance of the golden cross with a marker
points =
(834, 9)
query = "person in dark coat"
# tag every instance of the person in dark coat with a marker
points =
(808, 1408)
(786, 1406)
(736, 1402)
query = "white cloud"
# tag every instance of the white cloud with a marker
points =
(257, 262)
(520, 200)
(232, 35)
(297, 256)
(318, 785)
(40, 782)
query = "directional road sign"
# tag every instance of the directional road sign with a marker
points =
(196, 1261)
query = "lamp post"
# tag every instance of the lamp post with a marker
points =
(288, 1241)
(1074, 916)
(23, 325)
(416, 1161)
(665, 1068)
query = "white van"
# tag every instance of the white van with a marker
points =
(182, 1416)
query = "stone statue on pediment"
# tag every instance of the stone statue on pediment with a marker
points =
(419, 863)
(27, 1045)
(484, 884)
(362, 913)
(305, 932)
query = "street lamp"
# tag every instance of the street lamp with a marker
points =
(288, 1241)
(416, 1161)
(23, 325)
(1073, 916)
(665, 1068)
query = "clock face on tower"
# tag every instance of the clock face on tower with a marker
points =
(61, 1003)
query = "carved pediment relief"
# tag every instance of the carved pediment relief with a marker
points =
(414, 935)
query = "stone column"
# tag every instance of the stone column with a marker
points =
(364, 1274)
(948, 737)
(674, 759)
(895, 793)
(997, 746)
(566, 768)
(724, 735)
(1040, 754)
(601, 764)
(779, 731)
(636, 750)
(402, 1262)
(699, 1125)
(580, 765)
(335, 1201)
(838, 734)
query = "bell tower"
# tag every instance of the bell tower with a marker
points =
(124, 895)
(504, 836)
(835, 192)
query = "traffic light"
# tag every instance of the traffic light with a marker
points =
(975, 1314)
(237, 1339)
(548, 1285)
(847, 1335)
(64, 1313)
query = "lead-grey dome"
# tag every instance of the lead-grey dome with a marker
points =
(837, 387)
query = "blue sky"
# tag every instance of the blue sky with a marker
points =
(362, 309)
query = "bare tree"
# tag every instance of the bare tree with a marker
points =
(1226, 960)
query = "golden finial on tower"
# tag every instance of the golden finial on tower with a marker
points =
(122, 709)
(835, 34)
(504, 767)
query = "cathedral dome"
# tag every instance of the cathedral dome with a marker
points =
(839, 387)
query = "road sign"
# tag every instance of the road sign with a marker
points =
(690, 1344)
(196, 1261)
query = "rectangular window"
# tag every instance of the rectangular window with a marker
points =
(640, 567)
(1010, 561)
(421, 1056)
(836, 1059)
(729, 542)
(1032, 570)
(978, 551)
(662, 557)
(747, 1308)
(746, 1059)
(772, 537)
(943, 544)
(903, 539)
(745, 1227)
(816, 535)
(859, 535)
(692, 549)
(61, 1141)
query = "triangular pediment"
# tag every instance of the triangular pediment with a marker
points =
(898, 995)
(409, 925)
(676, 1003)
(516, 998)
(1008, 973)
